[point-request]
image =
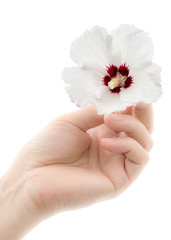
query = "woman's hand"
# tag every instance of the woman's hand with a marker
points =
(76, 160)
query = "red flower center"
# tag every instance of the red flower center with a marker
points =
(117, 78)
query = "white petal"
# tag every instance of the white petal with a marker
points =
(154, 72)
(142, 90)
(102, 109)
(94, 67)
(101, 91)
(79, 77)
(92, 46)
(81, 86)
(135, 45)
(108, 102)
(116, 54)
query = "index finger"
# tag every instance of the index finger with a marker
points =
(144, 113)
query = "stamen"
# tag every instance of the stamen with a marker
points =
(117, 78)
(114, 82)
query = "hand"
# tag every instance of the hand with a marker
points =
(78, 159)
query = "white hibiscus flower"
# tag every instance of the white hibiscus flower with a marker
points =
(113, 70)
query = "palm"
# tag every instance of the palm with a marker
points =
(83, 169)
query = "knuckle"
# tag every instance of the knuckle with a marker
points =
(146, 158)
(149, 145)
(150, 129)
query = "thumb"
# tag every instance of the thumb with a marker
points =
(85, 118)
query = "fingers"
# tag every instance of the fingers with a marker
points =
(84, 118)
(135, 155)
(144, 113)
(131, 126)
(129, 147)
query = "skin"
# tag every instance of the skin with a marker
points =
(78, 159)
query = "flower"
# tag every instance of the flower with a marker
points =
(113, 70)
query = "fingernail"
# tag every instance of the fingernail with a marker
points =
(117, 117)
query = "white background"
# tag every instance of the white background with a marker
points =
(35, 38)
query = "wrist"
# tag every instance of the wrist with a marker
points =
(16, 213)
